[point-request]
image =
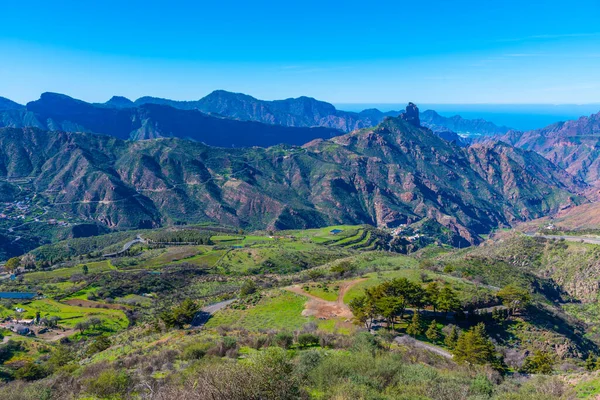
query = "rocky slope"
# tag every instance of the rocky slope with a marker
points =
(397, 172)
(572, 145)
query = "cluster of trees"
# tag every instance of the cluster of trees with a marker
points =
(391, 299)
(515, 298)
(93, 322)
(27, 261)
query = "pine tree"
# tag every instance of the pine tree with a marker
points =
(451, 338)
(475, 347)
(597, 366)
(415, 328)
(447, 301)
(433, 333)
(540, 362)
(590, 362)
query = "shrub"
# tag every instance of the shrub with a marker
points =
(308, 361)
(365, 342)
(284, 340)
(101, 343)
(307, 339)
(248, 288)
(540, 362)
(109, 383)
(481, 386)
(31, 372)
(194, 351)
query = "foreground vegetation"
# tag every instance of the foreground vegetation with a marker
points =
(324, 313)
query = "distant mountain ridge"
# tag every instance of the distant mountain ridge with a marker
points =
(58, 112)
(573, 145)
(397, 172)
(6, 104)
(460, 125)
(308, 112)
(293, 112)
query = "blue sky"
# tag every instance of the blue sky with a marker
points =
(343, 52)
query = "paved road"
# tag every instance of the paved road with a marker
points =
(126, 246)
(206, 312)
(409, 341)
(585, 239)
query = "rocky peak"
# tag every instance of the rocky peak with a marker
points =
(119, 102)
(411, 115)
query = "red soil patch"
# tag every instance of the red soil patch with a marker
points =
(324, 309)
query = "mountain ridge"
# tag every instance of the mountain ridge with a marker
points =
(573, 145)
(395, 173)
(55, 111)
(58, 112)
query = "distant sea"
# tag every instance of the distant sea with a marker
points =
(517, 116)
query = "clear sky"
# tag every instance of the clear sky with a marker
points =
(340, 51)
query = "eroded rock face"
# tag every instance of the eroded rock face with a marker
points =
(411, 115)
(572, 145)
(395, 173)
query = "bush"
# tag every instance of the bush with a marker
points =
(248, 288)
(365, 342)
(540, 362)
(99, 344)
(284, 340)
(194, 351)
(481, 386)
(31, 372)
(109, 383)
(308, 361)
(307, 339)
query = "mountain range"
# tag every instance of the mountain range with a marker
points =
(59, 112)
(219, 119)
(395, 173)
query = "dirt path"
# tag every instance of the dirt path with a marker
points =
(324, 309)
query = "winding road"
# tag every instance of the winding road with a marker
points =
(585, 239)
(127, 246)
(206, 312)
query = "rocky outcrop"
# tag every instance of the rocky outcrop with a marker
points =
(411, 115)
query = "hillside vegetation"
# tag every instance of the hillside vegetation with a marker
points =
(321, 313)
